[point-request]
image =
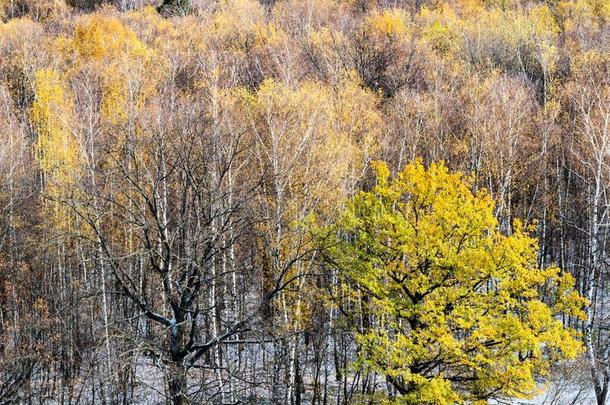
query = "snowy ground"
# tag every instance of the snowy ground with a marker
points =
(568, 386)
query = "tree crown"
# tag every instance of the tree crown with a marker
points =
(454, 305)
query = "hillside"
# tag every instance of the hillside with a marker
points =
(304, 201)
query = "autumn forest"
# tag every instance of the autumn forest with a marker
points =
(304, 202)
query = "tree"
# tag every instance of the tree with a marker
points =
(310, 143)
(590, 97)
(453, 307)
(175, 204)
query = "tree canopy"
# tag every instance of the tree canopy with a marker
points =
(456, 307)
(163, 163)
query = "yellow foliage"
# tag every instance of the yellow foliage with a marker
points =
(103, 45)
(439, 28)
(314, 141)
(307, 15)
(51, 114)
(100, 36)
(57, 152)
(236, 24)
(590, 12)
(447, 288)
(269, 34)
(389, 22)
(510, 38)
(330, 130)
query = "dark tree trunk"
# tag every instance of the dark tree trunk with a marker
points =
(177, 383)
(177, 378)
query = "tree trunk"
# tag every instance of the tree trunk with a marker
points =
(176, 373)
(177, 383)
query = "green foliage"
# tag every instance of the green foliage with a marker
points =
(456, 305)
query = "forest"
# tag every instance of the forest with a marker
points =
(305, 202)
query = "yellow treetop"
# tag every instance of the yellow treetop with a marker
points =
(51, 114)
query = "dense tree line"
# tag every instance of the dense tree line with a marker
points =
(193, 207)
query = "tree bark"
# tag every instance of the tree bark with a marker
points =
(177, 383)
